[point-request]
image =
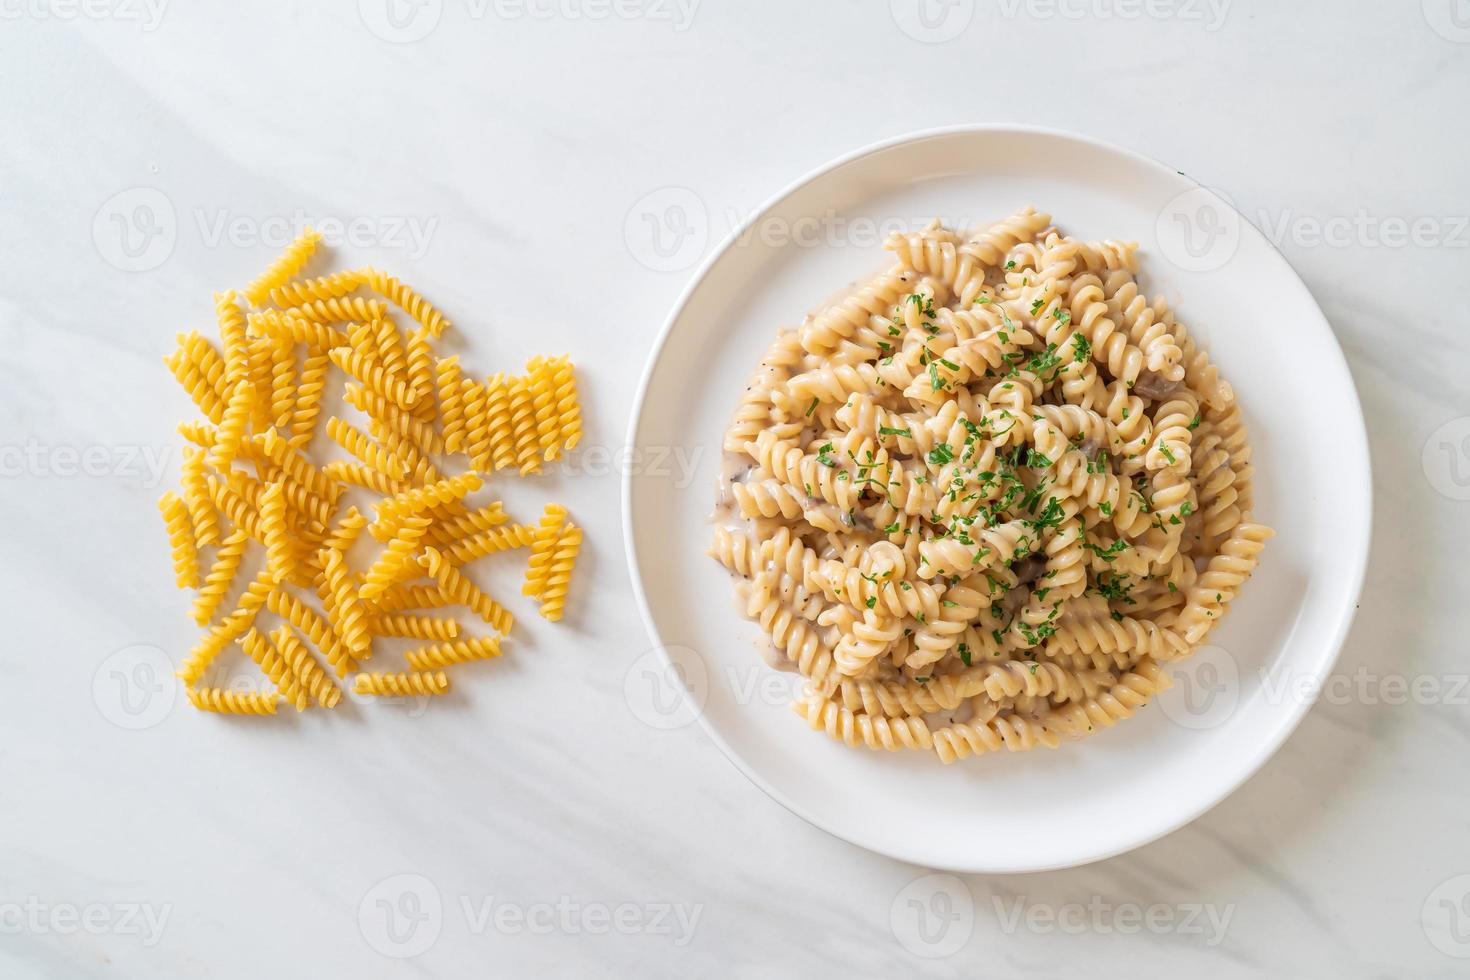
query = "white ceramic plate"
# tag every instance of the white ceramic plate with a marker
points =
(1233, 704)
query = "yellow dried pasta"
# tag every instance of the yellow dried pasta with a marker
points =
(252, 490)
(283, 269)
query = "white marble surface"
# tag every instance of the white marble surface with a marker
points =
(498, 162)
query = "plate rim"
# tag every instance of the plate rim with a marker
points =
(1361, 550)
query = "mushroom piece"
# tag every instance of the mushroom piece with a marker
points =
(1154, 387)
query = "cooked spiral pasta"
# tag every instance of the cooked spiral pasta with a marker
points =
(868, 731)
(980, 500)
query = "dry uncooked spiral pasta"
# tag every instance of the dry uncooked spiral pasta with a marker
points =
(221, 576)
(449, 654)
(407, 300)
(375, 376)
(233, 703)
(201, 389)
(304, 667)
(268, 658)
(358, 444)
(488, 542)
(559, 572)
(464, 592)
(402, 685)
(304, 291)
(283, 326)
(195, 485)
(414, 627)
(543, 546)
(522, 410)
(342, 309)
(284, 268)
(345, 611)
(995, 483)
(249, 479)
(398, 561)
(181, 540)
(460, 526)
(314, 628)
(404, 597)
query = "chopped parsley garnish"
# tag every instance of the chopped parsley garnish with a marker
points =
(1081, 349)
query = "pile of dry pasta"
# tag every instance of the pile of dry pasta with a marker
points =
(251, 490)
(982, 499)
